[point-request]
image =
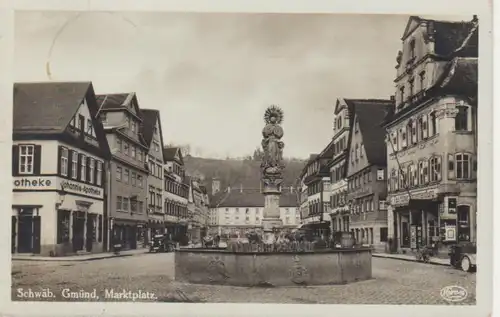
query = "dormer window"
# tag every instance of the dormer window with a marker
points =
(89, 126)
(133, 126)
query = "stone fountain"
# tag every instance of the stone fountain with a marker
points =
(272, 168)
(272, 263)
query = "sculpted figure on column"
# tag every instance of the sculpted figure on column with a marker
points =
(272, 162)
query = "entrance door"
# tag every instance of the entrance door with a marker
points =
(78, 231)
(133, 237)
(463, 222)
(36, 234)
(405, 234)
(90, 232)
(25, 235)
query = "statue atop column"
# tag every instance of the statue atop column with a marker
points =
(272, 161)
(272, 168)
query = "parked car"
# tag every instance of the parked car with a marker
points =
(161, 243)
(463, 256)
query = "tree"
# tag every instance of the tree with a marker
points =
(257, 154)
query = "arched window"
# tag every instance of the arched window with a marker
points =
(463, 165)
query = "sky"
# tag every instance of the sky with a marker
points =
(212, 75)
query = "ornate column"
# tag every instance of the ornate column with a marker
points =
(272, 167)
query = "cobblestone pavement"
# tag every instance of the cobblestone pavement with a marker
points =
(394, 282)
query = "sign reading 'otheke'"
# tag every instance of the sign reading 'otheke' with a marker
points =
(33, 183)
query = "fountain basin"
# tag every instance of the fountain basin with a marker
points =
(319, 267)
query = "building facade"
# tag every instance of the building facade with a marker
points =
(339, 210)
(237, 211)
(198, 205)
(316, 178)
(152, 136)
(128, 175)
(366, 173)
(58, 170)
(432, 136)
(176, 193)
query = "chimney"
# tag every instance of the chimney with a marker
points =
(474, 18)
(393, 98)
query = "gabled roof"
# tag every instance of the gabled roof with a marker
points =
(172, 154)
(237, 198)
(47, 107)
(371, 114)
(149, 119)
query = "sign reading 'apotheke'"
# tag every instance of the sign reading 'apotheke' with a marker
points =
(56, 183)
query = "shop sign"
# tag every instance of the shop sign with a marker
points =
(404, 199)
(38, 183)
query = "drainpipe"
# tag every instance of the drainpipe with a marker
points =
(107, 221)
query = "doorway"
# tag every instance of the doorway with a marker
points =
(28, 235)
(405, 234)
(78, 231)
(463, 222)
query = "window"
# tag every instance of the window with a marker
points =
(157, 146)
(125, 203)
(26, 158)
(411, 82)
(402, 94)
(139, 155)
(63, 226)
(404, 141)
(422, 80)
(126, 176)
(435, 168)
(357, 152)
(132, 126)
(361, 150)
(433, 123)
(412, 131)
(133, 177)
(380, 175)
(133, 151)
(74, 165)
(463, 170)
(462, 119)
(412, 49)
(89, 126)
(158, 200)
(64, 161)
(118, 173)
(99, 173)
(126, 148)
(83, 170)
(421, 175)
(133, 205)
(119, 203)
(119, 145)
(91, 170)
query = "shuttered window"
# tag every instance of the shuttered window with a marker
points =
(83, 166)
(74, 164)
(26, 159)
(99, 173)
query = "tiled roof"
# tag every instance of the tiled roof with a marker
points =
(250, 198)
(46, 107)
(149, 118)
(448, 36)
(460, 77)
(371, 114)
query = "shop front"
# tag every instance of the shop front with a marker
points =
(58, 222)
(432, 216)
(131, 234)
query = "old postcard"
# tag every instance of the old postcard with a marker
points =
(249, 157)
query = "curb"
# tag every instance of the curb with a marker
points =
(409, 260)
(62, 259)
